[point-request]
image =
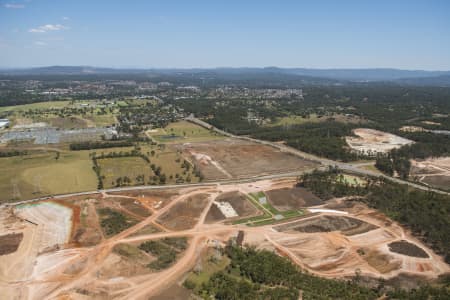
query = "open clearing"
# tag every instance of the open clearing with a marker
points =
(50, 113)
(432, 171)
(183, 132)
(120, 167)
(371, 141)
(184, 214)
(38, 105)
(40, 174)
(407, 248)
(10, 242)
(238, 201)
(86, 229)
(346, 225)
(314, 118)
(232, 158)
(292, 198)
(169, 162)
(61, 257)
(43, 172)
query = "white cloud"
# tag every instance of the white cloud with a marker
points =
(14, 5)
(66, 18)
(47, 28)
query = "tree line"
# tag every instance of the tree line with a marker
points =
(90, 145)
(425, 213)
(426, 145)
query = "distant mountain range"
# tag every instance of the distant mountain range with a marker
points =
(413, 77)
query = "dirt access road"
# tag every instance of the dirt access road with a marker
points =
(337, 255)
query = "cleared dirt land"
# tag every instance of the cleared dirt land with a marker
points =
(86, 229)
(371, 141)
(153, 199)
(175, 292)
(184, 214)
(238, 201)
(42, 227)
(334, 246)
(345, 225)
(407, 248)
(10, 242)
(232, 158)
(61, 257)
(292, 198)
(433, 171)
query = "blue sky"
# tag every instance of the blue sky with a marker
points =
(168, 33)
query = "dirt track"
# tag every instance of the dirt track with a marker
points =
(71, 271)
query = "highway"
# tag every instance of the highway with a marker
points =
(325, 163)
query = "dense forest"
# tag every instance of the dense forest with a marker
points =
(325, 139)
(260, 274)
(425, 213)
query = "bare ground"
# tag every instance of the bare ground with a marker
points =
(346, 225)
(292, 198)
(432, 171)
(407, 248)
(10, 242)
(105, 271)
(239, 202)
(184, 214)
(231, 158)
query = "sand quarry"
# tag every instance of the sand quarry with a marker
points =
(371, 141)
(56, 249)
(432, 171)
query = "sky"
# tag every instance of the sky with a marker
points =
(405, 34)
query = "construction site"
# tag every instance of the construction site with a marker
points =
(433, 172)
(370, 141)
(140, 244)
(235, 158)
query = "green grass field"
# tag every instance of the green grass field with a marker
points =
(113, 168)
(354, 180)
(312, 118)
(168, 160)
(68, 122)
(269, 212)
(295, 120)
(17, 115)
(39, 105)
(183, 132)
(101, 120)
(40, 174)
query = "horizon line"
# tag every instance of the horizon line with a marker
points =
(225, 67)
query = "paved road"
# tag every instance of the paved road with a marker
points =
(323, 161)
(353, 168)
(167, 186)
